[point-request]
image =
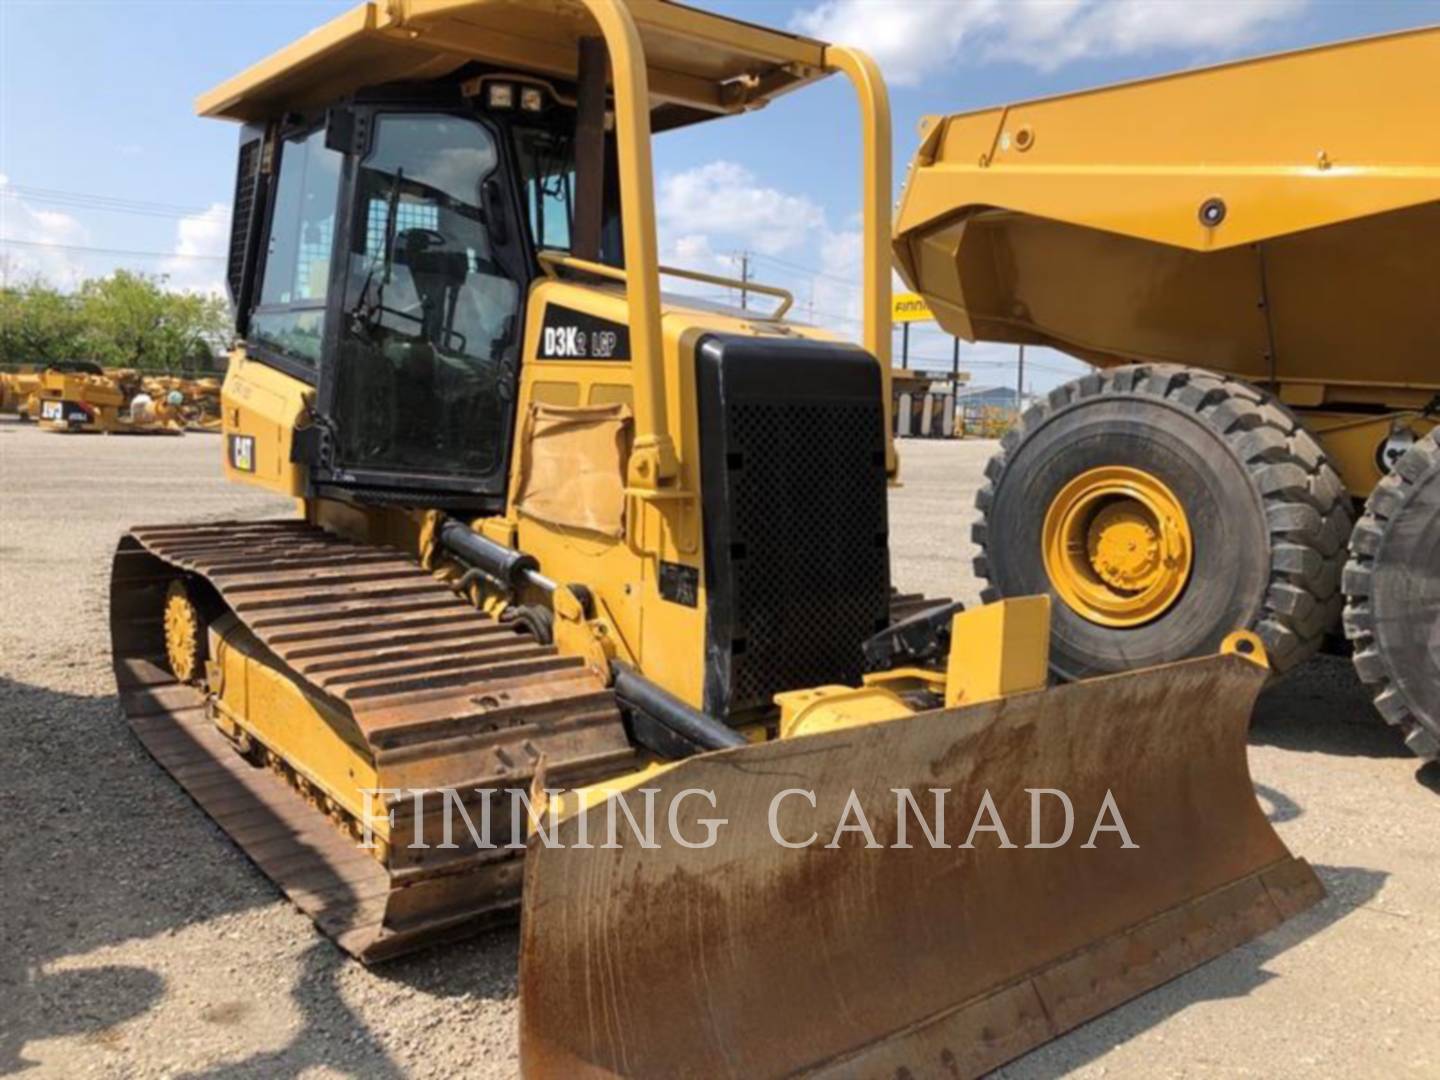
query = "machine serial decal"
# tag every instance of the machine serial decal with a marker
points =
(567, 334)
(242, 453)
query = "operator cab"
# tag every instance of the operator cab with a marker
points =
(397, 239)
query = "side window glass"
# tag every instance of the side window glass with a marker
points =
(290, 316)
(547, 175)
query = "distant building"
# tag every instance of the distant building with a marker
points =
(928, 404)
(987, 397)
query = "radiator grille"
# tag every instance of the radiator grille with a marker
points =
(811, 572)
(797, 545)
(246, 172)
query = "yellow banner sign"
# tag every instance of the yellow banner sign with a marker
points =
(910, 307)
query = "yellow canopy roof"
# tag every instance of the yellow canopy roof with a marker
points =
(700, 64)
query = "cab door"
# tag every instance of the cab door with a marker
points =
(418, 386)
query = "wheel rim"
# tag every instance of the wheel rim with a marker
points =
(1117, 546)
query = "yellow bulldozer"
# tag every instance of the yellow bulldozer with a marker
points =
(1255, 276)
(587, 616)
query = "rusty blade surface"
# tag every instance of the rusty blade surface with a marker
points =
(750, 959)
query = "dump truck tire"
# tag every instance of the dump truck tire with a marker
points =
(1392, 588)
(1251, 527)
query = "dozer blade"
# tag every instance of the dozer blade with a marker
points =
(748, 958)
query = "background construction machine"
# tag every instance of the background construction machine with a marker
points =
(562, 532)
(93, 402)
(81, 396)
(1249, 255)
(17, 388)
(22, 390)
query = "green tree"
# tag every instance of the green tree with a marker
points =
(39, 324)
(131, 320)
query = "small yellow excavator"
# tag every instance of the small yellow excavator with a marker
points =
(587, 615)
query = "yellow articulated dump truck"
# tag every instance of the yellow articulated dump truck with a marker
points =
(587, 615)
(1250, 255)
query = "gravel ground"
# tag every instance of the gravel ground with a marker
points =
(135, 941)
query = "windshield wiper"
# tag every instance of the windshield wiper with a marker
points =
(365, 316)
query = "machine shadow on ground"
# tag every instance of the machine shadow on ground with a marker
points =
(42, 930)
(1323, 708)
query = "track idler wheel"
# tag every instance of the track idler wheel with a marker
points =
(185, 629)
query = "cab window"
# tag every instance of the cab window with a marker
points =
(547, 183)
(290, 316)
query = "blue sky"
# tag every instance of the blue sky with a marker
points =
(99, 146)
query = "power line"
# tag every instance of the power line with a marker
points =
(1030, 363)
(111, 251)
(802, 269)
(79, 200)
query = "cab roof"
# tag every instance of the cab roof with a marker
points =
(700, 64)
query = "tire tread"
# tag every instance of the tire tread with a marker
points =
(1386, 502)
(1307, 509)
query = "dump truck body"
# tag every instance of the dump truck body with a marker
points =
(1079, 222)
(1247, 255)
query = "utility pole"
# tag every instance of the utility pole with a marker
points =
(1020, 383)
(955, 362)
(744, 277)
(905, 345)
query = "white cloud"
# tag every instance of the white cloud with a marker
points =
(723, 199)
(49, 243)
(710, 214)
(199, 240)
(36, 230)
(909, 39)
(912, 39)
(835, 296)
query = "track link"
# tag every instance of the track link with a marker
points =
(439, 694)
